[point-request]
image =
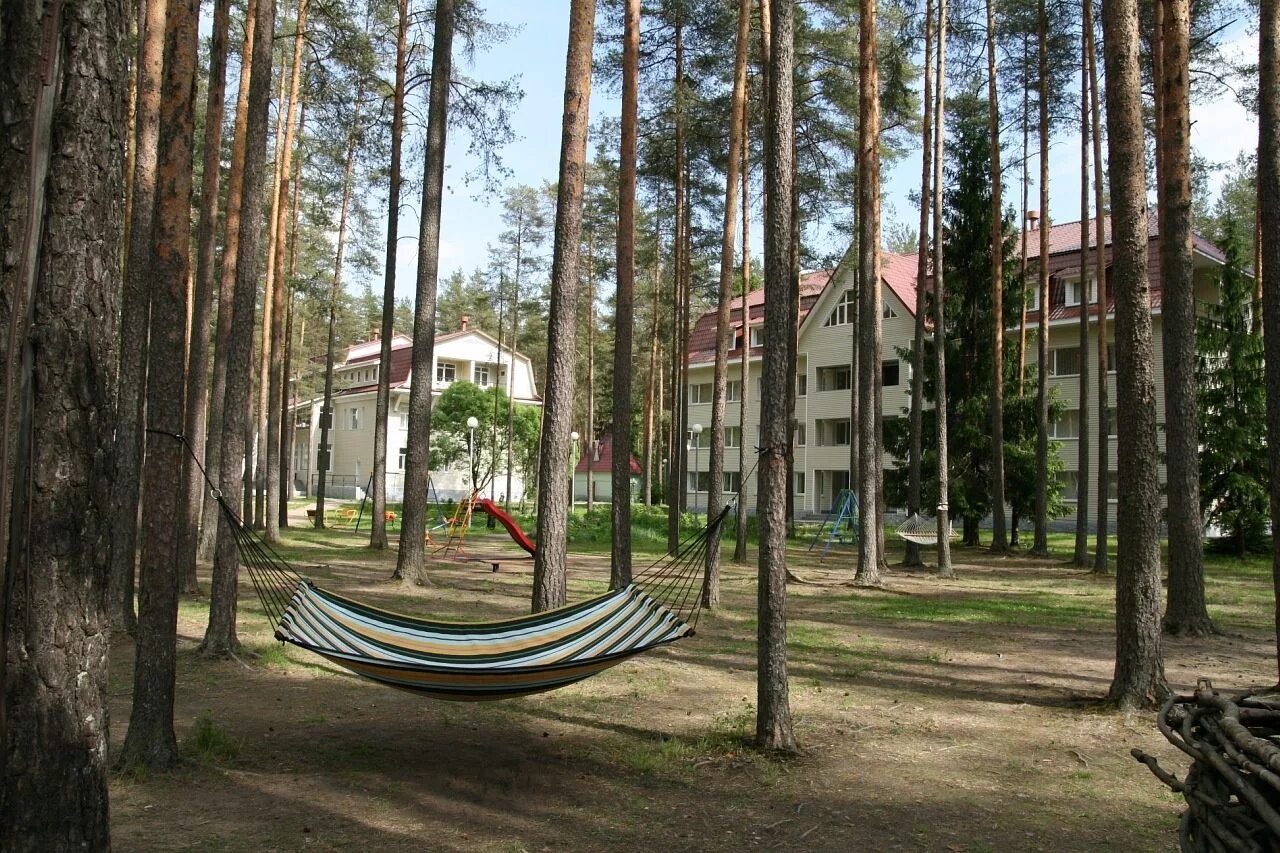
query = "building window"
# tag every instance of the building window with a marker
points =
(701, 440)
(1074, 288)
(889, 371)
(480, 375)
(699, 481)
(1064, 361)
(353, 419)
(1066, 426)
(732, 482)
(886, 311)
(757, 336)
(802, 385)
(400, 459)
(1070, 485)
(842, 314)
(835, 378)
(799, 483)
(1111, 420)
(733, 436)
(733, 391)
(446, 372)
(700, 393)
(800, 435)
(833, 432)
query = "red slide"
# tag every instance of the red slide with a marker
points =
(521, 538)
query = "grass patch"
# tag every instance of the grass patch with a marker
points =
(1003, 608)
(210, 743)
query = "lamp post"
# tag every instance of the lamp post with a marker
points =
(472, 423)
(573, 462)
(697, 452)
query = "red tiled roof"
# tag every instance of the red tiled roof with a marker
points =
(1065, 237)
(702, 339)
(604, 461)
(899, 273)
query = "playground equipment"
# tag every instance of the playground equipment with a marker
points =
(461, 523)
(840, 526)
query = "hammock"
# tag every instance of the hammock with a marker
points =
(921, 530)
(480, 661)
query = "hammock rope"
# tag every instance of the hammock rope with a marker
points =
(473, 661)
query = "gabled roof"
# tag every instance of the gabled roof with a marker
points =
(702, 339)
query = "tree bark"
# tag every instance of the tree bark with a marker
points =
(230, 256)
(1186, 613)
(620, 561)
(740, 521)
(63, 98)
(1139, 674)
(870, 299)
(773, 710)
(945, 568)
(719, 390)
(553, 509)
(378, 529)
(1080, 555)
(677, 484)
(1100, 270)
(410, 565)
(277, 288)
(134, 319)
(1040, 537)
(150, 741)
(650, 390)
(1269, 233)
(912, 555)
(220, 636)
(999, 532)
(197, 392)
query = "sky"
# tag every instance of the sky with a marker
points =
(471, 220)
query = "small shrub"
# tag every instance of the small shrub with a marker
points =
(210, 742)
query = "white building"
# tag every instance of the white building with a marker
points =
(465, 355)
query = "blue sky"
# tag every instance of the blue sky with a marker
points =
(536, 53)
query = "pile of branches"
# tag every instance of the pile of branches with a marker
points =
(1233, 786)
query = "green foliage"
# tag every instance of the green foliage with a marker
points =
(210, 742)
(1234, 474)
(450, 434)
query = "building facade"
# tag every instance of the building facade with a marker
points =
(466, 355)
(825, 382)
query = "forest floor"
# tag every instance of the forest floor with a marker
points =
(939, 715)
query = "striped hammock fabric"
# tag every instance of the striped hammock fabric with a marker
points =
(479, 661)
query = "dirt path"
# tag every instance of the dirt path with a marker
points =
(953, 716)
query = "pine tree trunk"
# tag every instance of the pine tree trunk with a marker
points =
(773, 711)
(1139, 674)
(912, 555)
(150, 741)
(1080, 555)
(220, 637)
(620, 561)
(210, 519)
(335, 291)
(274, 376)
(676, 482)
(134, 319)
(197, 392)
(589, 441)
(286, 369)
(999, 532)
(720, 381)
(1040, 538)
(1100, 270)
(1269, 233)
(1022, 231)
(945, 568)
(553, 510)
(650, 391)
(410, 565)
(60, 193)
(868, 571)
(740, 521)
(378, 530)
(1186, 613)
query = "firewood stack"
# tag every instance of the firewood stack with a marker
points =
(1233, 786)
